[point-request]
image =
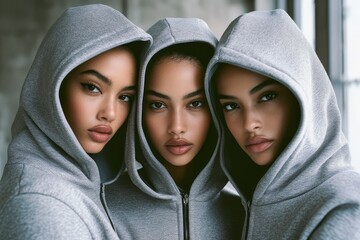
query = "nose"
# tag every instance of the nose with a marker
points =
(251, 120)
(177, 123)
(107, 110)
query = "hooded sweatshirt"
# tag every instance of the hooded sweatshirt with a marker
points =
(147, 203)
(310, 191)
(51, 188)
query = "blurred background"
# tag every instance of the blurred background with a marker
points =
(331, 26)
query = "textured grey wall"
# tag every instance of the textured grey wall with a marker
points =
(23, 24)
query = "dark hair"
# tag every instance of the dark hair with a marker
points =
(196, 52)
(136, 49)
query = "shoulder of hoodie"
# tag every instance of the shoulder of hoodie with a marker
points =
(342, 189)
(39, 216)
(32, 184)
(22, 178)
(341, 201)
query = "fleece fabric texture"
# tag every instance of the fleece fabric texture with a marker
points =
(147, 203)
(311, 190)
(51, 188)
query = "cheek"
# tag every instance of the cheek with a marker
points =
(78, 112)
(123, 114)
(200, 124)
(154, 126)
(234, 125)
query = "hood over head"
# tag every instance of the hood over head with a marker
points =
(269, 43)
(41, 134)
(168, 32)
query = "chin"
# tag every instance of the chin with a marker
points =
(178, 163)
(93, 150)
(262, 162)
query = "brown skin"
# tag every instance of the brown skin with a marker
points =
(260, 113)
(175, 110)
(96, 97)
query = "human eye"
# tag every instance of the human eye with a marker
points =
(157, 105)
(228, 107)
(128, 98)
(268, 96)
(197, 104)
(90, 88)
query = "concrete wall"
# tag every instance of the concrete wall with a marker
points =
(23, 24)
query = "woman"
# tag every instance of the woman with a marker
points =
(179, 191)
(66, 135)
(283, 148)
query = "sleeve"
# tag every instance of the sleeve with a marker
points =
(341, 223)
(35, 216)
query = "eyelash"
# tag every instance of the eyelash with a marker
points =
(200, 104)
(90, 87)
(272, 95)
(231, 106)
(127, 98)
(155, 105)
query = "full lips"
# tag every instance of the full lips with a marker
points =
(99, 137)
(178, 147)
(100, 133)
(259, 147)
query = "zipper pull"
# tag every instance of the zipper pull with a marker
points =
(185, 198)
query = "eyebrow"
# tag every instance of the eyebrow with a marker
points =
(253, 90)
(189, 95)
(106, 80)
(262, 85)
(129, 88)
(156, 94)
(97, 75)
(193, 94)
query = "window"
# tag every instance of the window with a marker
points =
(307, 21)
(352, 76)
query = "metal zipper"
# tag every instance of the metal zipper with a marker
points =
(185, 205)
(248, 208)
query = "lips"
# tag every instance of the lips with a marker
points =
(258, 144)
(178, 147)
(100, 133)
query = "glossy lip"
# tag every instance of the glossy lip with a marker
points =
(100, 133)
(258, 144)
(178, 146)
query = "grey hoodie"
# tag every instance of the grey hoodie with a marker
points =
(147, 203)
(310, 191)
(51, 188)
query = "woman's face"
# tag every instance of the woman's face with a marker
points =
(176, 116)
(96, 97)
(260, 113)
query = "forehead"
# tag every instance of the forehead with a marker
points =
(231, 78)
(110, 57)
(175, 76)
